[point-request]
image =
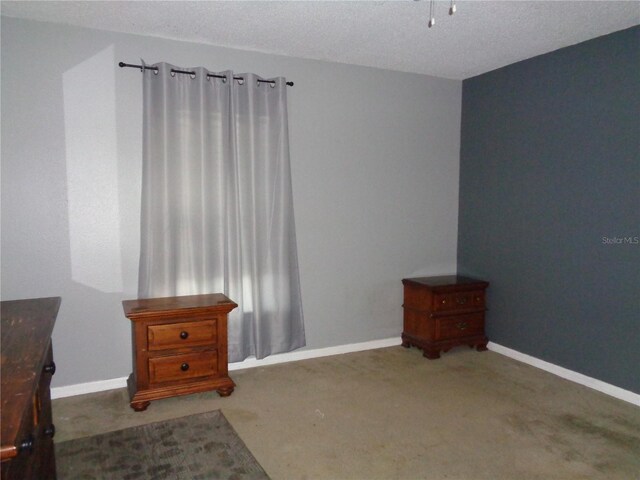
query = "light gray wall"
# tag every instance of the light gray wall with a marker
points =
(375, 163)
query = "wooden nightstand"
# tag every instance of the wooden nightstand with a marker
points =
(179, 347)
(442, 312)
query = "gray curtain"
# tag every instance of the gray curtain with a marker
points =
(217, 212)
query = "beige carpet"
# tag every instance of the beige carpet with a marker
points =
(391, 414)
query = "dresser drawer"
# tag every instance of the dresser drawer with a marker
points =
(417, 297)
(183, 334)
(182, 367)
(459, 326)
(444, 302)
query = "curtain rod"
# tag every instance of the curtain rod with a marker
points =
(173, 70)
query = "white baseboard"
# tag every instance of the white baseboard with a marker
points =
(612, 390)
(100, 386)
(89, 387)
(576, 377)
(315, 353)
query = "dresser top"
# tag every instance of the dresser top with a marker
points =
(446, 282)
(26, 332)
(148, 307)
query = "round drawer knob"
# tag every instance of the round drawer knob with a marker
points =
(184, 335)
(50, 431)
(184, 367)
(50, 368)
(27, 444)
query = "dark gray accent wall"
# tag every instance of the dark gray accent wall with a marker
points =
(550, 205)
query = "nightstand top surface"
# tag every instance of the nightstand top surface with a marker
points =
(447, 281)
(151, 306)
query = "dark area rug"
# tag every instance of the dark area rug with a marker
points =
(201, 447)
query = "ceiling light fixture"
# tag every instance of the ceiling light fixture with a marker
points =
(432, 17)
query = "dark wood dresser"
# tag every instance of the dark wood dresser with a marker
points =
(442, 312)
(27, 367)
(179, 347)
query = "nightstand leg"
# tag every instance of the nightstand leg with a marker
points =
(431, 354)
(225, 391)
(140, 406)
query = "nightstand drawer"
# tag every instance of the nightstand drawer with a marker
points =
(443, 302)
(180, 335)
(416, 297)
(183, 367)
(459, 326)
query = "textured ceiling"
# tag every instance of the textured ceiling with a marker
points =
(481, 36)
